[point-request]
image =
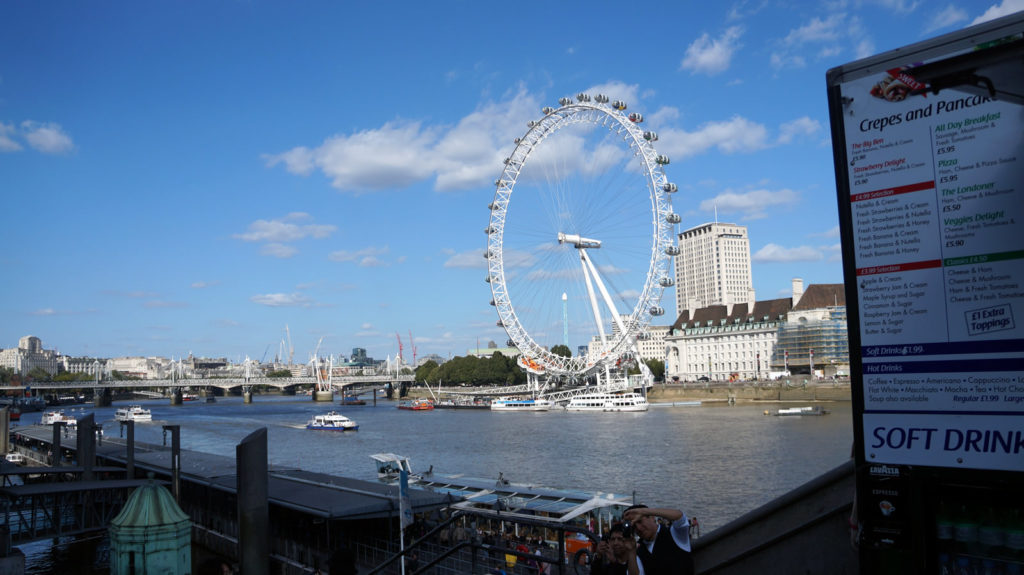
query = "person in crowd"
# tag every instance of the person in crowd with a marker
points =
(613, 552)
(662, 549)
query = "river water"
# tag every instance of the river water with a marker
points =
(714, 462)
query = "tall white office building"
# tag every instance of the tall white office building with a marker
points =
(713, 267)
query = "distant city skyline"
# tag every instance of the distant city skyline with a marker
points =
(193, 178)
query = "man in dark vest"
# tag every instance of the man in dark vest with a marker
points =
(662, 549)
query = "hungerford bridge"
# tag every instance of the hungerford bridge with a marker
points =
(325, 386)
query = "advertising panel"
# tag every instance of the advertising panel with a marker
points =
(931, 186)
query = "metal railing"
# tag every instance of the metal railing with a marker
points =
(436, 558)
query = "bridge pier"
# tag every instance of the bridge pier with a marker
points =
(246, 394)
(323, 395)
(102, 397)
(176, 397)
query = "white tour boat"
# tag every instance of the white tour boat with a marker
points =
(332, 421)
(518, 404)
(608, 402)
(133, 413)
(58, 416)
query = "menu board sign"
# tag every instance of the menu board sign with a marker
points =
(936, 204)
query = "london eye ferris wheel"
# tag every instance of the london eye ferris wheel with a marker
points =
(581, 236)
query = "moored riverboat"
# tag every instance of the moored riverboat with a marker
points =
(798, 411)
(416, 404)
(477, 403)
(503, 498)
(58, 416)
(331, 421)
(133, 413)
(608, 402)
(352, 400)
(521, 404)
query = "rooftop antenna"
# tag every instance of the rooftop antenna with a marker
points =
(716, 213)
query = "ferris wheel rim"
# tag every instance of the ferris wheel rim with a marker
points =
(535, 357)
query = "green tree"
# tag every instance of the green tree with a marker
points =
(39, 374)
(6, 375)
(657, 368)
(424, 370)
(279, 373)
(562, 350)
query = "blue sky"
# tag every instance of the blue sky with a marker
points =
(193, 176)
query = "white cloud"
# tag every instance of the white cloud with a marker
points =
(285, 230)
(826, 37)
(774, 253)
(712, 57)
(7, 144)
(164, 304)
(278, 250)
(737, 134)
(946, 17)
(803, 126)
(829, 233)
(277, 233)
(362, 255)
(402, 153)
(816, 30)
(204, 284)
(48, 138)
(1004, 8)
(466, 260)
(371, 262)
(45, 311)
(281, 300)
(750, 204)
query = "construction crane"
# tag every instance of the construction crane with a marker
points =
(265, 353)
(413, 346)
(399, 359)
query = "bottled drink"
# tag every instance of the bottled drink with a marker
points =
(944, 528)
(1013, 529)
(946, 564)
(991, 533)
(965, 531)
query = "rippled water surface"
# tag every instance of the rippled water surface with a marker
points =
(714, 462)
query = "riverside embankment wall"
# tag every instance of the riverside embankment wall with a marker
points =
(767, 392)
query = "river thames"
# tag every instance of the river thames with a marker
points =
(715, 461)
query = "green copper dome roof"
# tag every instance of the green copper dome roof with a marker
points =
(149, 506)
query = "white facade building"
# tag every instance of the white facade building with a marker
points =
(142, 367)
(724, 343)
(651, 345)
(29, 355)
(713, 267)
(741, 342)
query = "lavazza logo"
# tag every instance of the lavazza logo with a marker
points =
(884, 470)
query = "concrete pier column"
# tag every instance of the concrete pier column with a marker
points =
(253, 509)
(246, 397)
(102, 397)
(176, 397)
(323, 396)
